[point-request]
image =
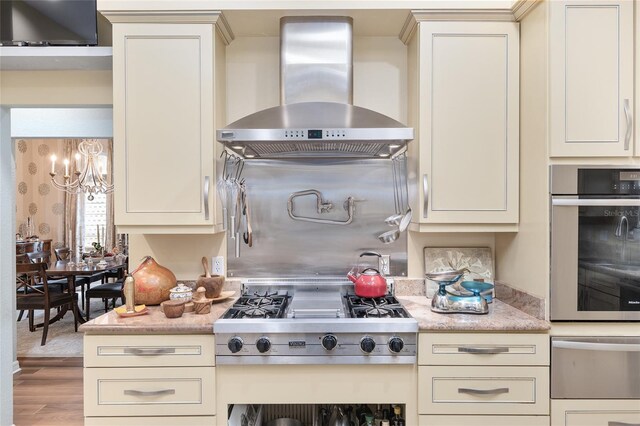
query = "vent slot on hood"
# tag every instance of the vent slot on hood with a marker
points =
(315, 119)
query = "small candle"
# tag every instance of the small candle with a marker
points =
(66, 167)
(53, 164)
(77, 161)
(98, 231)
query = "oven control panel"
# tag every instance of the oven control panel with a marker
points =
(267, 348)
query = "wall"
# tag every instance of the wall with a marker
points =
(180, 253)
(35, 196)
(29, 88)
(77, 88)
(379, 75)
(7, 270)
(522, 259)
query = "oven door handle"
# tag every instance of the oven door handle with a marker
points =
(593, 346)
(585, 202)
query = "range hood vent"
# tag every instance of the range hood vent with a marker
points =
(316, 118)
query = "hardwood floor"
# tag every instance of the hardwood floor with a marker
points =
(48, 392)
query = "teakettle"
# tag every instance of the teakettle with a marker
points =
(368, 283)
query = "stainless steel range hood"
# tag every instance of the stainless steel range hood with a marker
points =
(316, 118)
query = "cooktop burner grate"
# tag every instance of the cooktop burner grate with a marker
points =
(265, 305)
(375, 307)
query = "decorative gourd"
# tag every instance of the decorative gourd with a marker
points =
(153, 282)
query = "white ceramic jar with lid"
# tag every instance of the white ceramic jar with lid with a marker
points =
(181, 292)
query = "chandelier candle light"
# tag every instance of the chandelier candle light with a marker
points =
(88, 179)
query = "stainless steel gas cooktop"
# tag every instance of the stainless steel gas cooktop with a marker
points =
(314, 321)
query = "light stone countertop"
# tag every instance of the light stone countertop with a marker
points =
(156, 323)
(501, 318)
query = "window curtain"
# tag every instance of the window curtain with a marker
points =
(110, 231)
(71, 225)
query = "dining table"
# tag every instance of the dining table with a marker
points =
(71, 270)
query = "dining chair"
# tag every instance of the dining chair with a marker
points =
(32, 293)
(62, 253)
(117, 273)
(106, 292)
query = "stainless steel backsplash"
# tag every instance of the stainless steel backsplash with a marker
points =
(283, 247)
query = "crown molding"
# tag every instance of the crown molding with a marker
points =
(521, 8)
(162, 16)
(430, 15)
(224, 29)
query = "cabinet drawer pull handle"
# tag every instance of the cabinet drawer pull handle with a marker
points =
(206, 197)
(496, 350)
(425, 189)
(496, 391)
(135, 392)
(142, 352)
(613, 423)
(627, 114)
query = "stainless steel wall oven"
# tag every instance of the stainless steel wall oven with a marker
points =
(595, 243)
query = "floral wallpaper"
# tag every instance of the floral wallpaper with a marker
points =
(35, 196)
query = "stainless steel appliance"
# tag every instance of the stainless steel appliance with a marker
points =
(316, 118)
(595, 243)
(314, 321)
(595, 367)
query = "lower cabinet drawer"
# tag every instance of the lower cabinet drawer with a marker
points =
(179, 391)
(484, 421)
(149, 350)
(595, 412)
(483, 390)
(151, 421)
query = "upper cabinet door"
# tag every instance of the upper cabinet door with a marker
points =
(164, 127)
(468, 121)
(591, 78)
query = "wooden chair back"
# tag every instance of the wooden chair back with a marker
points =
(62, 253)
(22, 258)
(40, 257)
(31, 279)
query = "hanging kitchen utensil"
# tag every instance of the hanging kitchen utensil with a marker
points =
(369, 282)
(408, 214)
(221, 186)
(394, 219)
(248, 235)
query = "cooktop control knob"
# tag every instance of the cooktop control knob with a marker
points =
(263, 344)
(396, 344)
(235, 344)
(367, 344)
(329, 342)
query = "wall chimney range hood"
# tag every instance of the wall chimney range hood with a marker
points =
(316, 117)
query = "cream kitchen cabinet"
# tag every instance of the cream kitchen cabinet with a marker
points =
(591, 92)
(594, 412)
(494, 377)
(149, 379)
(464, 106)
(164, 104)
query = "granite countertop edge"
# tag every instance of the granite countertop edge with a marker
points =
(501, 318)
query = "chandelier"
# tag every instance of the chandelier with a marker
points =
(88, 176)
